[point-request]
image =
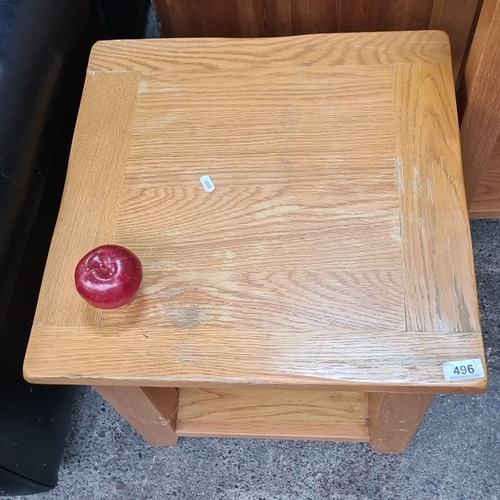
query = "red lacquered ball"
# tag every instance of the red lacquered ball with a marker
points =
(109, 276)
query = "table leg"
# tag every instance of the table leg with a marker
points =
(394, 419)
(152, 411)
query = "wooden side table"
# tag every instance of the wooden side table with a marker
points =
(319, 289)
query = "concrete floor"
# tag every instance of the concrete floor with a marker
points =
(455, 455)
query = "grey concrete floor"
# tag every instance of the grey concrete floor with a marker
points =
(455, 454)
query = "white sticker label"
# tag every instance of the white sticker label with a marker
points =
(463, 369)
(207, 183)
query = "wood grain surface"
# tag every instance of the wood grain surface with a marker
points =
(394, 419)
(152, 411)
(214, 258)
(263, 412)
(87, 217)
(334, 251)
(440, 291)
(480, 126)
(205, 57)
(456, 17)
(486, 202)
(383, 15)
(193, 356)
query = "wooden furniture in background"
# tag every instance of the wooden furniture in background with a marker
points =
(480, 126)
(260, 18)
(317, 292)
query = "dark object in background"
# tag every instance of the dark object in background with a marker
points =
(44, 48)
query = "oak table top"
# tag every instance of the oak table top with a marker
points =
(334, 251)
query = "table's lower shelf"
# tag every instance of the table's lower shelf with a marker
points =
(273, 413)
(387, 420)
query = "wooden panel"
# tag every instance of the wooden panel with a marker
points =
(384, 15)
(363, 15)
(438, 262)
(266, 412)
(217, 251)
(198, 18)
(87, 216)
(152, 411)
(394, 419)
(408, 14)
(267, 299)
(246, 18)
(264, 18)
(192, 355)
(280, 139)
(314, 16)
(312, 52)
(480, 125)
(456, 18)
(486, 201)
(278, 207)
